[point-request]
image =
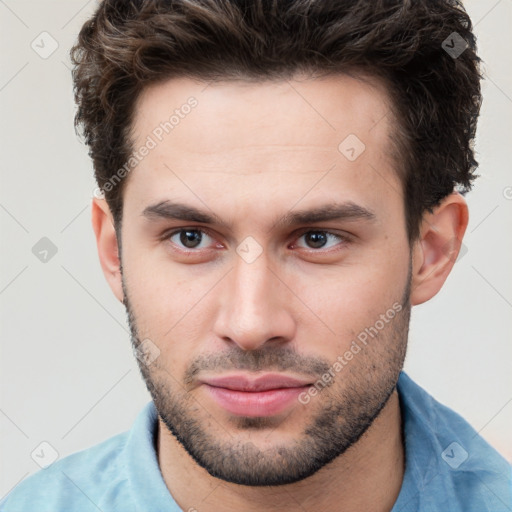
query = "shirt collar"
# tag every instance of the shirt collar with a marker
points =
(149, 491)
(428, 428)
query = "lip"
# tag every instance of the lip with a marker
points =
(241, 382)
(265, 395)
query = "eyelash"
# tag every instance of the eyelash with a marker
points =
(343, 239)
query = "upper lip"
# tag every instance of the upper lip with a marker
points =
(264, 382)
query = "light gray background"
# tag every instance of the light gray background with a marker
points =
(68, 376)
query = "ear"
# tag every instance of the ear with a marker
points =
(106, 240)
(435, 251)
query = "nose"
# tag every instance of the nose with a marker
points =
(256, 307)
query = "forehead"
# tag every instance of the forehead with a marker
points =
(274, 138)
(338, 104)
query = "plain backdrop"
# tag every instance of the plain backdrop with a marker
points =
(68, 376)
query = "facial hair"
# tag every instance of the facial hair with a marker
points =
(341, 413)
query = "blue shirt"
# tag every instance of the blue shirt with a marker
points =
(449, 468)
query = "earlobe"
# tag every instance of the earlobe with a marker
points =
(106, 241)
(436, 250)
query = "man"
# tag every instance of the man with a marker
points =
(279, 182)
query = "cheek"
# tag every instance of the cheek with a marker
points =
(349, 299)
(169, 310)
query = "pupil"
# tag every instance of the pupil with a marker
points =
(316, 239)
(193, 237)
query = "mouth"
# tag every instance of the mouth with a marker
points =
(266, 395)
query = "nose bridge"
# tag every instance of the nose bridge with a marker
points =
(251, 285)
(256, 306)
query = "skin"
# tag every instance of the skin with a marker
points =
(251, 153)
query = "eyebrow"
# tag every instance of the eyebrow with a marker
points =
(179, 211)
(333, 211)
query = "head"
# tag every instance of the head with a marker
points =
(282, 181)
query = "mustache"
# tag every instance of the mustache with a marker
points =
(269, 358)
(272, 357)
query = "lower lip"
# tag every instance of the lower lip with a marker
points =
(255, 403)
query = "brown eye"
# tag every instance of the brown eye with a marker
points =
(188, 238)
(315, 239)
(321, 239)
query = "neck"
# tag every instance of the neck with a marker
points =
(368, 476)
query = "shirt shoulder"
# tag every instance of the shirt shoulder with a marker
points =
(448, 464)
(81, 482)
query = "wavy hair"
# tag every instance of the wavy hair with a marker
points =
(129, 44)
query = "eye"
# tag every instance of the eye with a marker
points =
(194, 239)
(320, 239)
(189, 239)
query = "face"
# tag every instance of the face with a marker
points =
(266, 269)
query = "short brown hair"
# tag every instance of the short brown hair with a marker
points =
(129, 44)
